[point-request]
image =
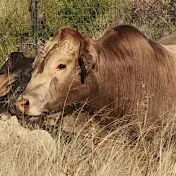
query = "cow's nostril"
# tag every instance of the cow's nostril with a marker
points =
(25, 103)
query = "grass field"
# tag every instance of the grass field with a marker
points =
(34, 153)
(80, 155)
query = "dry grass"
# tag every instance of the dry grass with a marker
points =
(78, 155)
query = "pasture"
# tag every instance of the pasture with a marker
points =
(29, 151)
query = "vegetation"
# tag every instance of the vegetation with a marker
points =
(80, 155)
(75, 155)
(154, 18)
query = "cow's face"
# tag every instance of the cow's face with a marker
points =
(58, 70)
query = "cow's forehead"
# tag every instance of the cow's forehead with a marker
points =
(63, 43)
(65, 47)
(54, 56)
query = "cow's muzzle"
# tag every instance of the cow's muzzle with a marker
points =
(23, 105)
(27, 105)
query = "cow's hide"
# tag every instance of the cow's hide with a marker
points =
(122, 74)
(20, 67)
(168, 40)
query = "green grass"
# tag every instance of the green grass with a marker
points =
(15, 21)
(91, 17)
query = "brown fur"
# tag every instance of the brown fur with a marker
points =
(124, 73)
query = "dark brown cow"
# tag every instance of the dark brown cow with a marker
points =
(14, 76)
(123, 73)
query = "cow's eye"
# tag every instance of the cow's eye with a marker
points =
(61, 66)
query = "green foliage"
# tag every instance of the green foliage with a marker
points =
(15, 26)
(84, 15)
(155, 18)
(79, 17)
(92, 17)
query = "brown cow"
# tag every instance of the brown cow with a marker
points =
(12, 67)
(122, 73)
(168, 40)
(14, 76)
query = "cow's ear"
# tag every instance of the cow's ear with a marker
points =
(86, 62)
(14, 59)
(84, 67)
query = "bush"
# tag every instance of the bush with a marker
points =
(92, 17)
(15, 25)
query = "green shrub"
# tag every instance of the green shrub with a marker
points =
(84, 15)
(15, 26)
(156, 18)
(92, 17)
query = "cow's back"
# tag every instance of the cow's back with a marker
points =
(168, 40)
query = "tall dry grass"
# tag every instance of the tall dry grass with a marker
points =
(82, 155)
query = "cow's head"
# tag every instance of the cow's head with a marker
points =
(15, 72)
(59, 73)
